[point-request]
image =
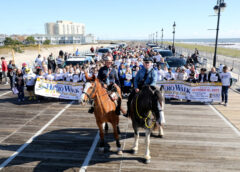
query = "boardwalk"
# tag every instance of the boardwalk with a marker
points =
(196, 139)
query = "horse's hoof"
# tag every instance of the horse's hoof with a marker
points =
(147, 161)
(160, 136)
(101, 150)
(134, 152)
(120, 152)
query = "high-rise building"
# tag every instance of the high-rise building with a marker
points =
(64, 28)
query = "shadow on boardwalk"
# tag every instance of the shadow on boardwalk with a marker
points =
(61, 150)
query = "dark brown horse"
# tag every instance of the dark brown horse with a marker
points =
(145, 114)
(104, 108)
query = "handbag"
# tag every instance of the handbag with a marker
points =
(15, 90)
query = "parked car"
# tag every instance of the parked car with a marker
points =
(164, 53)
(175, 62)
(104, 50)
(76, 60)
(151, 45)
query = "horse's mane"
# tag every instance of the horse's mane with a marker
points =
(145, 99)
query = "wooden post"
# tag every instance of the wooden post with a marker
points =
(13, 56)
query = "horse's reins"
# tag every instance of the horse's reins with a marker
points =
(90, 95)
(145, 119)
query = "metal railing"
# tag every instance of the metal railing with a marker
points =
(206, 59)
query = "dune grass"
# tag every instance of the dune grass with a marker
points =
(223, 51)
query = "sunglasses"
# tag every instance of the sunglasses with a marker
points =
(147, 62)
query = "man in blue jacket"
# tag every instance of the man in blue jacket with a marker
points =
(145, 76)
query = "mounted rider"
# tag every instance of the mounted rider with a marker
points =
(108, 76)
(145, 76)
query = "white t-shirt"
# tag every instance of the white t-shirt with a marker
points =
(69, 77)
(118, 62)
(58, 76)
(40, 77)
(158, 58)
(161, 74)
(75, 78)
(59, 61)
(213, 77)
(225, 77)
(38, 61)
(50, 77)
(30, 79)
(169, 76)
(82, 77)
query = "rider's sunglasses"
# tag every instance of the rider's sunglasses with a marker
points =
(147, 62)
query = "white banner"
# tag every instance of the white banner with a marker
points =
(58, 89)
(202, 92)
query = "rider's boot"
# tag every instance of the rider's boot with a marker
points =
(91, 110)
(118, 108)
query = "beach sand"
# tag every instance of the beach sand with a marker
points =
(29, 56)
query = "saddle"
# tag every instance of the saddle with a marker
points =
(113, 94)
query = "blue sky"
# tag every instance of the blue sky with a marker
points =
(123, 19)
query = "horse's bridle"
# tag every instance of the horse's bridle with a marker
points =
(90, 95)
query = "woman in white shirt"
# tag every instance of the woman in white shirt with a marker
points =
(213, 76)
(160, 73)
(182, 75)
(69, 75)
(50, 76)
(58, 75)
(75, 77)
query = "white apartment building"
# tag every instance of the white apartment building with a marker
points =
(64, 28)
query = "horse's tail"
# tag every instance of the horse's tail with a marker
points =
(162, 91)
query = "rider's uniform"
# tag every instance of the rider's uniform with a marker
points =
(109, 76)
(145, 77)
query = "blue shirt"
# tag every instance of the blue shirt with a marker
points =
(150, 80)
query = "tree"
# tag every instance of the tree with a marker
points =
(8, 41)
(30, 40)
(46, 42)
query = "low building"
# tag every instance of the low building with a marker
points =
(90, 39)
(59, 39)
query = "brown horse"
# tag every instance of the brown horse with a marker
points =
(104, 109)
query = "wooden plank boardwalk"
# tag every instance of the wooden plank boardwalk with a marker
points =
(196, 139)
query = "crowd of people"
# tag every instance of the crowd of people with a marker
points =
(126, 61)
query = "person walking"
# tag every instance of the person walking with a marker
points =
(51, 63)
(19, 84)
(10, 67)
(4, 70)
(30, 78)
(226, 79)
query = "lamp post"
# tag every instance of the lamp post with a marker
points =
(174, 26)
(218, 8)
(162, 38)
(156, 37)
